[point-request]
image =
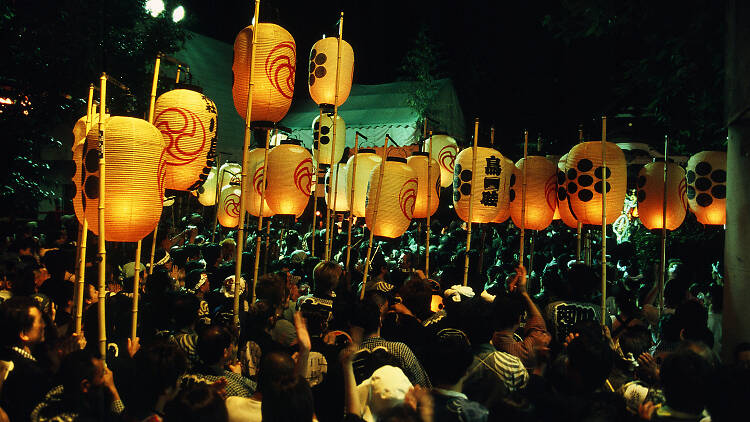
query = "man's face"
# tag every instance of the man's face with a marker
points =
(35, 334)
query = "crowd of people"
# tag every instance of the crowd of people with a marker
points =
(314, 342)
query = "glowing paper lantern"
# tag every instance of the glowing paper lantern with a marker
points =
(134, 179)
(488, 190)
(230, 173)
(541, 193)
(707, 186)
(256, 166)
(229, 206)
(289, 178)
(504, 213)
(563, 206)
(188, 121)
(273, 73)
(418, 162)
(322, 71)
(585, 176)
(340, 197)
(207, 191)
(79, 129)
(444, 150)
(276, 139)
(327, 140)
(651, 195)
(366, 161)
(395, 201)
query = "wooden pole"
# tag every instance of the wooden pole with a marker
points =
(260, 223)
(219, 184)
(265, 246)
(483, 227)
(351, 202)
(579, 225)
(329, 225)
(604, 220)
(523, 197)
(663, 256)
(136, 292)
(83, 230)
(102, 246)
(374, 217)
(317, 184)
(152, 101)
(471, 201)
(429, 207)
(333, 214)
(243, 178)
(177, 78)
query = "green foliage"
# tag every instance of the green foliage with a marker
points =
(422, 64)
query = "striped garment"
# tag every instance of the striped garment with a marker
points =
(411, 366)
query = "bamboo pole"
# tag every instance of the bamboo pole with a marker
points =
(177, 79)
(429, 207)
(579, 225)
(329, 225)
(102, 243)
(219, 184)
(471, 201)
(83, 230)
(152, 101)
(663, 255)
(523, 197)
(243, 178)
(351, 202)
(483, 227)
(374, 216)
(604, 220)
(260, 224)
(335, 196)
(136, 292)
(265, 246)
(317, 184)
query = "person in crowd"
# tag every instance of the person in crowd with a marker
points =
(273, 366)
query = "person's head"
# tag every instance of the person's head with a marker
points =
(211, 253)
(507, 311)
(158, 283)
(635, 340)
(274, 366)
(417, 296)
(185, 310)
(367, 315)
(287, 399)
(326, 277)
(198, 402)
(272, 289)
(196, 281)
(159, 366)
(406, 260)
(82, 376)
(590, 360)
(214, 344)
(683, 376)
(449, 357)
(21, 322)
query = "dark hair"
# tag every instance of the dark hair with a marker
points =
(211, 253)
(635, 340)
(15, 318)
(287, 399)
(449, 357)
(212, 342)
(507, 309)
(271, 288)
(591, 357)
(159, 366)
(274, 366)
(76, 367)
(159, 282)
(367, 316)
(185, 310)
(674, 292)
(417, 295)
(683, 375)
(326, 276)
(199, 402)
(741, 348)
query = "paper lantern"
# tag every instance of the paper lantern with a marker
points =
(563, 205)
(79, 129)
(367, 160)
(322, 71)
(229, 173)
(276, 139)
(188, 122)
(418, 162)
(444, 150)
(134, 179)
(541, 193)
(273, 73)
(327, 140)
(504, 206)
(229, 206)
(340, 197)
(395, 203)
(488, 190)
(254, 185)
(289, 178)
(207, 191)
(707, 186)
(651, 195)
(585, 176)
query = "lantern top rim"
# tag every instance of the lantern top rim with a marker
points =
(420, 154)
(366, 151)
(396, 159)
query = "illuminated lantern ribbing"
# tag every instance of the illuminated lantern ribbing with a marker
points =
(229, 173)
(541, 193)
(255, 168)
(339, 201)
(418, 162)
(188, 121)
(327, 140)
(584, 178)
(322, 72)
(487, 189)
(707, 186)
(79, 129)
(367, 160)
(229, 206)
(563, 207)
(651, 195)
(207, 191)
(273, 75)
(445, 150)
(395, 201)
(134, 179)
(504, 213)
(289, 178)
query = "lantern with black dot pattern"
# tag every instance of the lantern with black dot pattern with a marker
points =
(563, 206)
(585, 177)
(321, 79)
(541, 193)
(324, 140)
(707, 186)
